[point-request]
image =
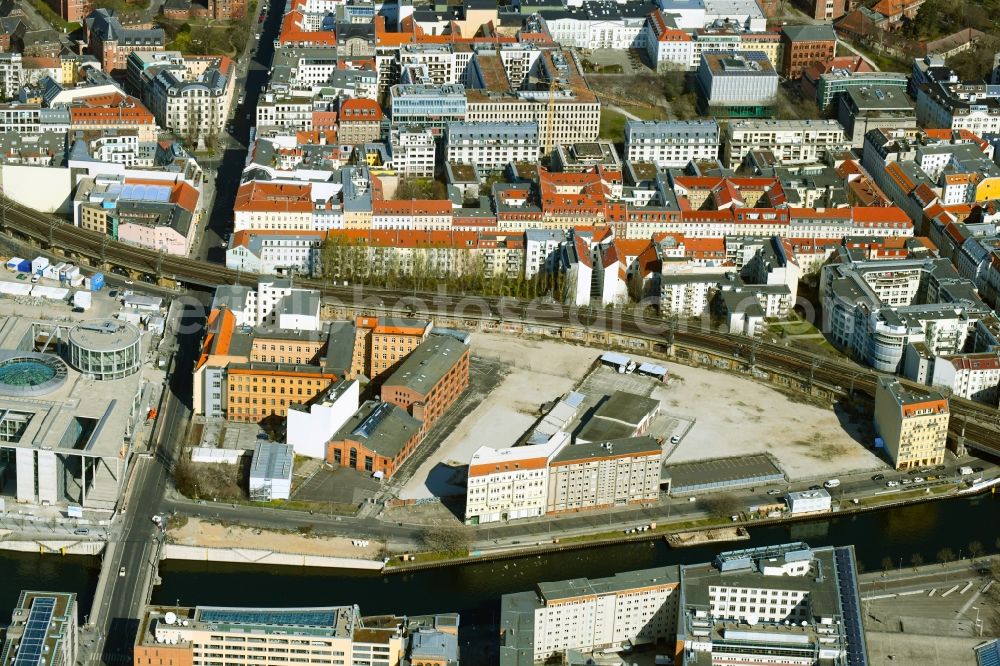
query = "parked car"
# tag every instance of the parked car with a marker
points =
(918, 479)
(774, 491)
(121, 572)
(906, 482)
(81, 531)
(878, 477)
(22, 276)
(674, 439)
(831, 483)
(891, 484)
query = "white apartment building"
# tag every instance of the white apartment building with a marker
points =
(541, 251)
(276, 253)
(600, 25)
(957, 106)
(666, 45)
(637, 607)
(492, 146)
(439, 62)
(11, 74)
(688, 294)
(671, 143)
(122, 147)
(293, 112)
(602, 474)
(413, 152)
(971, 376)
(791, 141)
(505, 484)
(269, 302)
(268, 206)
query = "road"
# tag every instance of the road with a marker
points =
(136, 547)
(229, 168)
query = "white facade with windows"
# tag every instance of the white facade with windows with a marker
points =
(791, 141)
(268, 254)
(413, 152)
(671, 143)
(505, 484)
(491, 146)
(11, 74)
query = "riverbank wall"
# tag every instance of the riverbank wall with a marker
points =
(267, 557)
(49, 546)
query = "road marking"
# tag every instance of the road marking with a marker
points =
(968, 604)
(950, 590)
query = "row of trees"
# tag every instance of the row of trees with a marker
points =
(383, 267)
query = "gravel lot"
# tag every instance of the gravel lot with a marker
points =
(732, 416)
(197, 532)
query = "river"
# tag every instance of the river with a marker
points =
(474, 590)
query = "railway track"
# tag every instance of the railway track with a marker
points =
(979, 423)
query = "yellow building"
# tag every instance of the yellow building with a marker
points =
(379, 344)
(914, 426)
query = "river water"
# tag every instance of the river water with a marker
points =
(474, 590)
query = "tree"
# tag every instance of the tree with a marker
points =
(724, 504)
(447, 538)
(674, 82)
(975, 550)
(976, 64)
(945, 555)
(916, 560)
(886, 563)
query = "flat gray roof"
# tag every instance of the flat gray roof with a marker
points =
(428, 363)
(618, 447)
(723, 471)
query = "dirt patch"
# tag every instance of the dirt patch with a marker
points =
(197, 532)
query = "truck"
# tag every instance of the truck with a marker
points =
(965, 470)
(82, 300)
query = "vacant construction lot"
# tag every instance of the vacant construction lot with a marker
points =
(731, 415)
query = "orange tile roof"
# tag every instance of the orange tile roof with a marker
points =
(283, 198)
(876, 214)
(411, 206)
(360, 109)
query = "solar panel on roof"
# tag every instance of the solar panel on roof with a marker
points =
(31, 650)
(292, 618)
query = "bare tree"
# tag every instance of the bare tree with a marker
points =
(447, 538)
(945, 555)
(916, 560)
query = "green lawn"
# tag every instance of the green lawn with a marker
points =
(613, 122)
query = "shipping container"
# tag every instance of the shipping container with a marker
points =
(82, 299)
(24, 266)
(39, 265)
(13, 263)
(76, 281)
(65, 270)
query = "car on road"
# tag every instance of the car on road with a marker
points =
(674, 439)
(81, 531)
(129, 281)
(774, 491)
(918, 479)
(35, 279)
(906, 482)
(891, 484)
(913, 472)
(878, 477)
(831, 483)
(932, 477)
(121, 572)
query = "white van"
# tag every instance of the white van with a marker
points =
(831, 483)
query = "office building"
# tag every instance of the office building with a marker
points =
(736, 84)
(309, 427)
(783, 604)
(427, 106)
(233, 636)
(862, 109)
(913, 426)
(804, 45)
(43, 631)
(671, 143)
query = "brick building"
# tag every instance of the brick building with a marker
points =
(360, 121)
(380, 344)
(430, 379)
(379, 437)
(111, 43)
(803, 45)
